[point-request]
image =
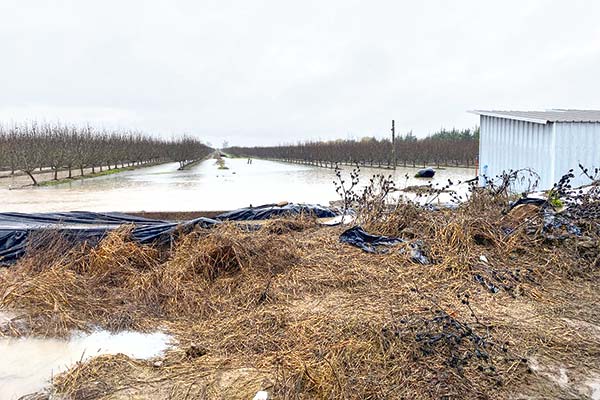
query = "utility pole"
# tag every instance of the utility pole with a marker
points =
(394, 144)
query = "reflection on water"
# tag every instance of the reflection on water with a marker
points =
(28, 364)
(202, 188)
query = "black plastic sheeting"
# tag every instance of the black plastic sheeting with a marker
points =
(425, 173)
(369, 243)
(79, 226)
(553, 221)
(274, 210)
(358, 237)
(536, 201)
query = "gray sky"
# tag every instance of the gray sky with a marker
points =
(270, 72)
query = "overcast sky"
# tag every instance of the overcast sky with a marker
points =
(270, 72)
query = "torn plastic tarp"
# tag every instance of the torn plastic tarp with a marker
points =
(416, 254)
(79, 226)
(370, 243)
(357, 237)
(536, 201)
(274, 210)
(553, 221)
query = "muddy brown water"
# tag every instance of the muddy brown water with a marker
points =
(204, 187)
(28, 364)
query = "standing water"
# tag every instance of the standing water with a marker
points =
(28, 364)
(204, 187)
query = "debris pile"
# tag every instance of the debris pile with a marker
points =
(291, 311)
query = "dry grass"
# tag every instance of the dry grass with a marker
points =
(290, 309)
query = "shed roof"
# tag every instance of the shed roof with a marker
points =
(544, 117)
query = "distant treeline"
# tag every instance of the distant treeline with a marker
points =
(30, 146)
(446, 147)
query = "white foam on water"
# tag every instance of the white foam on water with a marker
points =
(27, 364)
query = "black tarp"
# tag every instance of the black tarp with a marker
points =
(425, 173)
(78, 226)
(536, 201)
(358, 237)
(275, 210)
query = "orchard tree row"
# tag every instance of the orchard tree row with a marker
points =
(446, 147)
(41, 146)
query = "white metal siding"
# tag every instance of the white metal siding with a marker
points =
(507, 144)
(576, 143)
(549, 149)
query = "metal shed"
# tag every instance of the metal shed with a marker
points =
(548, 142)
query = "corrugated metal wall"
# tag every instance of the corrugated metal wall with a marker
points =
(506, 144)
(577, 143)
(549, 149)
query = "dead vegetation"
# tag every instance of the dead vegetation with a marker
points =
(290, 310)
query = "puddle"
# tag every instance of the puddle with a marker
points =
(593, 386)
(583, 385)
(28, 364)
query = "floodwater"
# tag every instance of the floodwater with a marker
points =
(28, 364)
(201, 188)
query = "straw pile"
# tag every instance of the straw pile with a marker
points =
(290, 310)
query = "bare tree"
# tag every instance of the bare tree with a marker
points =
(457, 147)
(29, 146)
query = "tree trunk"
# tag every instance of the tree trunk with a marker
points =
(32, 178)
(55, 174)
(70, 176)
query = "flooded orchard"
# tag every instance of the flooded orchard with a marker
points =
(29, 364)
(205, 187)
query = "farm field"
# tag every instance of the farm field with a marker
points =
(278, 200)
(203, 187)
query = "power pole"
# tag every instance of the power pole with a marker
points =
(394, 143)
